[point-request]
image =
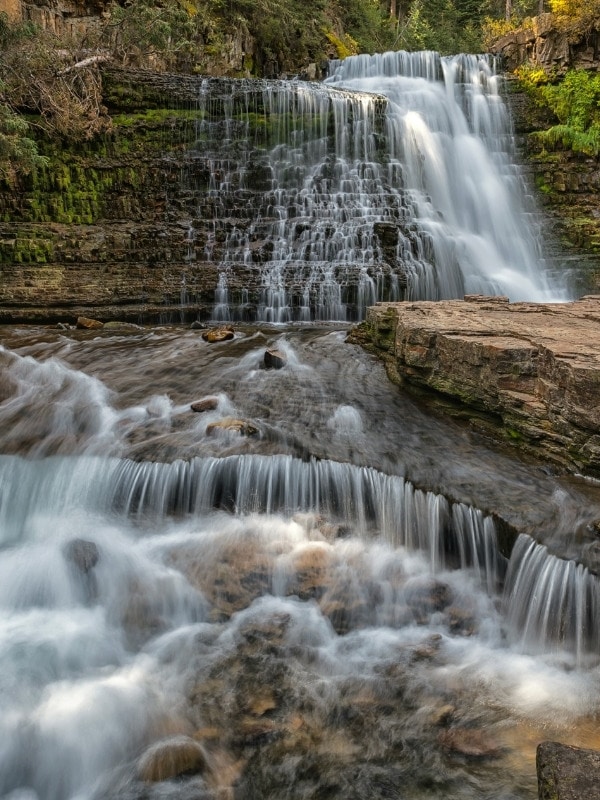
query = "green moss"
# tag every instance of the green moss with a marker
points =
(27, 250)
(513, 435)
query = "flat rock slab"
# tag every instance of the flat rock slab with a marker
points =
(567, 773)
(525, 373)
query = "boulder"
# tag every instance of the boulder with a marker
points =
(274, 359)
(229, 424)
(567, 773)
(85, 323)
(206, 404)
(221, 334)
(170, 758)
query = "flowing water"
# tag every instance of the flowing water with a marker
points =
(394, 179)
(296, 613)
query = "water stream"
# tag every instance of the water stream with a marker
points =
(325, 607)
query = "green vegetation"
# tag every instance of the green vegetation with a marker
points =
(574, 101)
(51, 86)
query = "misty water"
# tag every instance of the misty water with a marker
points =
(351, 598)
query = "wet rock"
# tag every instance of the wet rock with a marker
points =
(241, 426)
(206, 404)
(469, 742)
(170, 758)
(198, 326)
(567, 773)
(231, 577)
(117, 325)
(427, 596)
(82, 553)
(274, 359)
(309, 572)
(346, 607)
(221, 334)
(64, 326)
(442, 716)
(85, 323)
(427, 649)
(461, 621)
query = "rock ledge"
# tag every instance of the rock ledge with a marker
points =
(524, 373)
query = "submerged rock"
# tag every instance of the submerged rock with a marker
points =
(469, 742)
(241, 426)
(170, 758)
(206, 404)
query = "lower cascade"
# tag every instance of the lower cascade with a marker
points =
(292, 591)
(393, 179)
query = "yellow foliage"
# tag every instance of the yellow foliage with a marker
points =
(493, 29)
(568, 8)
(189, 6)
(344, 46)
(531, 76)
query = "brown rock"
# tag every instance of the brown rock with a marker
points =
(274, 359)
(222, 334)
(469, 742)
(567, 773)
(241, 426)
(85, 323)
(171, 757)
(206, 404)
(526, 373)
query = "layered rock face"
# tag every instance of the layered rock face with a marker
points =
(525, 373)
(545, 45)
(106, 231)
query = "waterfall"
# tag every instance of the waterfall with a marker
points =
(551, 600)
(366, 502)
(394, 179)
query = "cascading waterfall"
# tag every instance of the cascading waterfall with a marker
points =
(394, 179)
(552, 600)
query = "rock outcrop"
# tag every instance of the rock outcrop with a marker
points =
(567, 773)
(524, 373)
(544, 44)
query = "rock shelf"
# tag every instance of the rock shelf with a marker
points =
(524, 373)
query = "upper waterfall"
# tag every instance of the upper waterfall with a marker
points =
(394, 179)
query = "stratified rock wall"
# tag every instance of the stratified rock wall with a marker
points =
(525, 373)
(543, 44)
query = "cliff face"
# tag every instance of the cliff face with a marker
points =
(567, 184)
(105, 230)
(543, 44)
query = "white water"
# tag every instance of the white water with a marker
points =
(145, 601)
(396, 179)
